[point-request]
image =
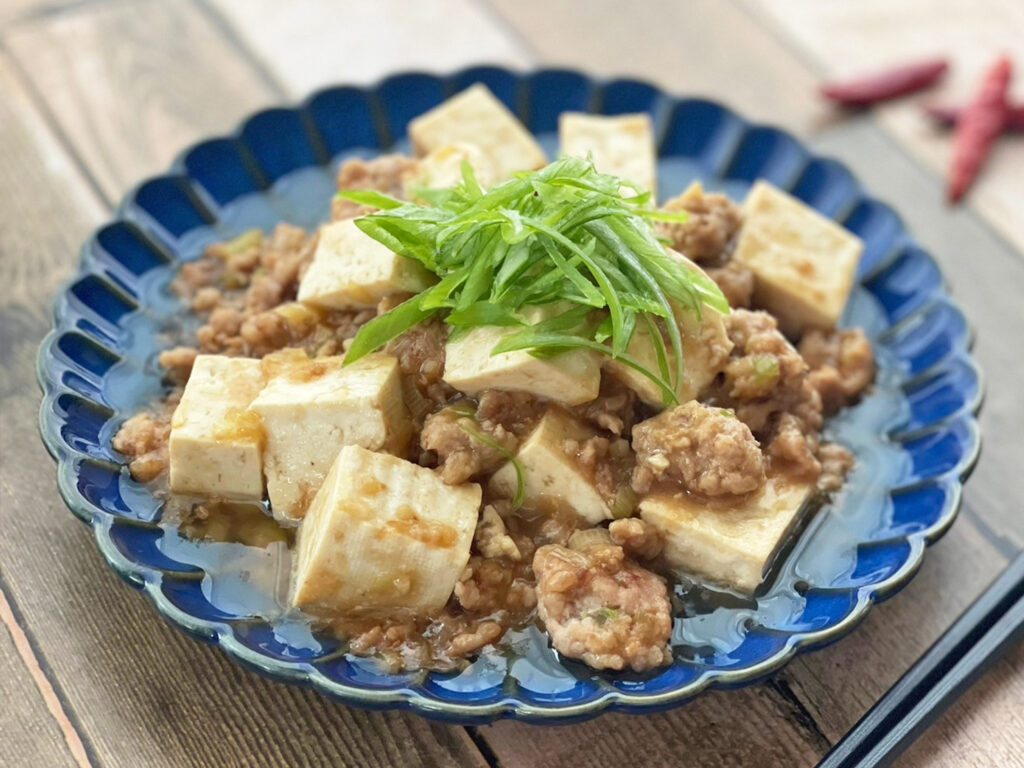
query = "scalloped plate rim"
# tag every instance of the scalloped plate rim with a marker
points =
(148, 579)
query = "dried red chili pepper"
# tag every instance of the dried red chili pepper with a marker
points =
(898, 81)
(948, 116)
(978, 127)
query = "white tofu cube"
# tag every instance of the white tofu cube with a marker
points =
(216, 441)
(383, 534)
(804, 265)
(553, 478)
(351, 270)
(442, 169)
(706, 347)
(311, 408)
(572, 377)
(621, 145)
(732, 546)
(477, 117)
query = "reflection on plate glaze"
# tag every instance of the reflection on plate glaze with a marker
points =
(250, 577)
(905, 493)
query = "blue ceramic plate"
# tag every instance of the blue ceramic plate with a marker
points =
(915, 437)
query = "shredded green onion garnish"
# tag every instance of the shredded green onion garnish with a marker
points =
(520, 496)
(563, 236)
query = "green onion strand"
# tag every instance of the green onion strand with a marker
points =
(565, 241)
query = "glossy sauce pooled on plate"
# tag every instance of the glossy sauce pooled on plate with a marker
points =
(493, 391)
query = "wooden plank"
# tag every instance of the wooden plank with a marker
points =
(308, 44)
(794, 719)
(764, 81)
(130, 84)
(704, 48)
(709, 732)
(837, 685)
(13, 10)
(985, 728)
(841, 39)
(611, 736)
(29, 732)
(142, 692)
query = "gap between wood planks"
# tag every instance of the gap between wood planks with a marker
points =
(787, 703)
(232, 38)
(473, 732)
(30, 655)
(43, 679)
(53, 124)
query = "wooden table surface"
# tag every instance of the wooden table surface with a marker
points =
(97, 94)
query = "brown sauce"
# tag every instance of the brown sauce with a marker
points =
(494, 594)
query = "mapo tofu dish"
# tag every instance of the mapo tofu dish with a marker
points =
(497, 390)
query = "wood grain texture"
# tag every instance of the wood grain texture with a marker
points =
(840, 683)
(749, 727)
(29, 734)
(841, 39)
(131, 84)
(13, 10)
(145, 694)
(142, 692)
(985, 728)
(837, 685)
(308, 44)
(763, 79)
(702, 47)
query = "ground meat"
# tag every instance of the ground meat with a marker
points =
(638, 539)
(420, 353)
(489, 585)
(450, 434)
(256, 275)
(793, 447)
(735, 281)
(713, 222)
(206, 299)
(143, 438)
(764, 362)
(178, 362)
(602, 608)
(220, 334)
(836, 462)
(334, 330)
(265, 332)
(614, 409)
(706, 450)
(766, 375)
(842, 365)
(398, 643)
(829, 386)
(491, 539)
(407, 643)
(198, 276)
(517, 412)
(484, 633)
(383, 174)
(282, 258)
